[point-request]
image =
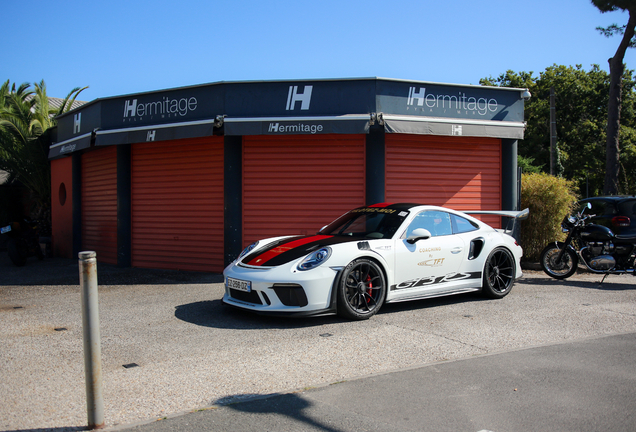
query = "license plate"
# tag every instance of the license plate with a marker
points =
(5, 229)
(238, 284)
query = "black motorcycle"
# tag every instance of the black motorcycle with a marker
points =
(596, 245)
(23, 242)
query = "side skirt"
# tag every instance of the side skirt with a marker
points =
(433, 295)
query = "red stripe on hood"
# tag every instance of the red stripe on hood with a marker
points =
(385, 204)
(266, 256)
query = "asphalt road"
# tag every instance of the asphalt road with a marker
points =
(564, 350)
(587, 385)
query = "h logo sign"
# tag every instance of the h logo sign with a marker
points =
(77, 122)
(130, 107)
(151, 135)
(293, 96)
(419, 96)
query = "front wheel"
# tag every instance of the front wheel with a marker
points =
(563, 268)
(361, 290)
(499, 273)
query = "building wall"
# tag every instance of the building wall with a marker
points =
(177, 204)
(62, 207)
(99, 203)
(455, 172)
(297, 184)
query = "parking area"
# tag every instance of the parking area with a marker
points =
(169, 346)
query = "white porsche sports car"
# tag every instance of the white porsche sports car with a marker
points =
(373, 255)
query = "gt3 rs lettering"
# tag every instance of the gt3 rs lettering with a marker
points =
(433, 280)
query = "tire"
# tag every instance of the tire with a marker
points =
(361, 290)
(499, 273)
(562, 270)
(14, 253)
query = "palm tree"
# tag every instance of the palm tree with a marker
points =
(26, 120)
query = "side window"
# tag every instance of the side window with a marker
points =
(462, 225)
(600, 208)
(437, 222)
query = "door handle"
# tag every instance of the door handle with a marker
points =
(457, 250)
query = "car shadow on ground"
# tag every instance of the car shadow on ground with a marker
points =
(213, 313)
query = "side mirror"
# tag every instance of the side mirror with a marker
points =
(586, 206)
(418, 234)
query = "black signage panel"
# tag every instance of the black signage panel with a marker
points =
(170, 106)
(292, 107)
(155, 133)
(311, 126)
(300, 98)
(69, 146)
(79, 122)
(448, 101)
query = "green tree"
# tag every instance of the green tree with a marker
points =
(26, 119)
(612, 172)
(581, 110)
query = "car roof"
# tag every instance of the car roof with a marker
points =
(610, 198)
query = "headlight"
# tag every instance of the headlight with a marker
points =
(247, 250)
(314, 259)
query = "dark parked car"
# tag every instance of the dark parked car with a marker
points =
(618, 213)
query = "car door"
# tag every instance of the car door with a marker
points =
(429, 266)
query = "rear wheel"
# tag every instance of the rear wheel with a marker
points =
(558, 269)
(361, 290)
(499, 273)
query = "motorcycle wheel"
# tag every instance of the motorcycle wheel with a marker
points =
(14, 253)
(558, 270)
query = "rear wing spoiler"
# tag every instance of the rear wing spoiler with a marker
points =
(513, 217)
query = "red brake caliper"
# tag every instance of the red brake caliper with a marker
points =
(369, 291)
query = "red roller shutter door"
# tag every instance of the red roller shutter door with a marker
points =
(99, 203)
(177, 204)
(459, 173)
(298, 184)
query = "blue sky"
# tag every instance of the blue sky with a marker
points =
(122, 47)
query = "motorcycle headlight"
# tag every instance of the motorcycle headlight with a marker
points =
(314, 259)
(247, 250)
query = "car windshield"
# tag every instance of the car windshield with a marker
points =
(369, 222)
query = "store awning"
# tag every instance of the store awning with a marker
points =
(70, 145)
(345, 124)
(162, 132)
(451, 127)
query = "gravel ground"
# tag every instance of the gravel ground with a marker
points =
(192, 353)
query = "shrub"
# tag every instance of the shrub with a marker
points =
(549, 199)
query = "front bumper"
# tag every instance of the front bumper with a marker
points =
(282, 290)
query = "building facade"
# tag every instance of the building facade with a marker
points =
(185, 178)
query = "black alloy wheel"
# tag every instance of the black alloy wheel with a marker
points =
(499, 273)
(362, 290)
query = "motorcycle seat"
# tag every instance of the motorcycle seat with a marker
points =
(626, 239)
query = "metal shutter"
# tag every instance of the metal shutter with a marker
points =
(177, 204)
(298, 184)
(99, 203)
(459, 173)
